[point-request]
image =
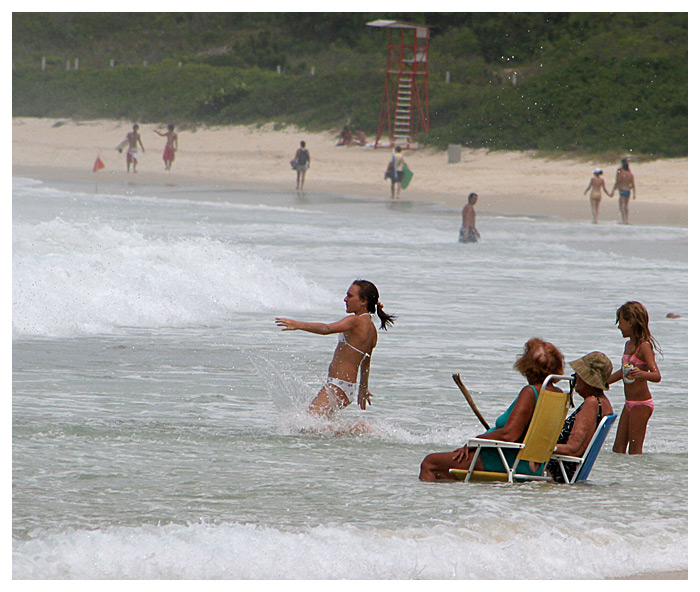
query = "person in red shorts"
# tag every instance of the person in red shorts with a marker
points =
(170, 145)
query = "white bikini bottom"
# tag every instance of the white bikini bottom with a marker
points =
(348, 388)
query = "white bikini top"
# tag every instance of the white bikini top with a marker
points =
(341, 339)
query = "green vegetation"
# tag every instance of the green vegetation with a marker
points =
(586, 82)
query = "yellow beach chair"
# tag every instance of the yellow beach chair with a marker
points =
(536, 447)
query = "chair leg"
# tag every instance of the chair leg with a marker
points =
(509, 470)
(563, 472)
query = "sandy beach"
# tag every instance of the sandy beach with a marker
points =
(258, 157)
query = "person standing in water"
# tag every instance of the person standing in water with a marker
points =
(624, 183)
(596, 185)
(170, 145)
(357, 337)
(638, 370)
(468, 232)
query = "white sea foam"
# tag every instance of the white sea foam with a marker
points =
(248, 551)
(86, 278)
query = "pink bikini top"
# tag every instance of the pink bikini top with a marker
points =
(632, 358)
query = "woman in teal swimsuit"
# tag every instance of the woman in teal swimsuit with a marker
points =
(538, 360)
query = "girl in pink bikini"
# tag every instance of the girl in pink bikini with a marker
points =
(638, 369)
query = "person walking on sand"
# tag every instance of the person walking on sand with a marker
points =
(596, 186)
(357, 337)
(468, 232)
(301, 164)
(171, 145)
(132, 142)
(624, 183)
(394, 172)
(638, 370)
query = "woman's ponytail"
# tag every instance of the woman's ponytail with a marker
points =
(386, 319)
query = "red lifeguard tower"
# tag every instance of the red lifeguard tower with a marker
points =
(404, 109)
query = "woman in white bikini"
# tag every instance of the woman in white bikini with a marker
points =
(357, 337)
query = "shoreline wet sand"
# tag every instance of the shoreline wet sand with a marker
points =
(249, 157)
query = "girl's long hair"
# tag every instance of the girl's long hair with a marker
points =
(369, 292)
(637, 314)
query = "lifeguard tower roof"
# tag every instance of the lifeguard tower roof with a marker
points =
(395, 25)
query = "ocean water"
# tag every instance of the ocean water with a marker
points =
(158, 412)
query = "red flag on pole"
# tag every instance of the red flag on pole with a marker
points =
(98, 165)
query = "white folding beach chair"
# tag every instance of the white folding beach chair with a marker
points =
(585, 463)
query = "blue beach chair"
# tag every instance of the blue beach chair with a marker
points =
(537, 446)
(585, 463)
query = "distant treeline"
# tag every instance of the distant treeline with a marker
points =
(592, 83)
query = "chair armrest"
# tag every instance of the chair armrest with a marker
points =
(494, 443)
(576, 459)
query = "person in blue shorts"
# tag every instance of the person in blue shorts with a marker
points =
(624, 183)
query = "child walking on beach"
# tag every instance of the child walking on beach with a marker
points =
(638, 369)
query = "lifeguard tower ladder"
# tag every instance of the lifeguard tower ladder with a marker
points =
(404, 110)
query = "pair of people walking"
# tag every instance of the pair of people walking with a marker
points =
(133, 141)
(624, 184)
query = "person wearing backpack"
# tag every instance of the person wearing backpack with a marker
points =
(301, 164)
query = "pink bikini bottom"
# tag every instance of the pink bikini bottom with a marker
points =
(647, 403)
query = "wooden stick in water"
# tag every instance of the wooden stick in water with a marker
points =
(468, 397)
